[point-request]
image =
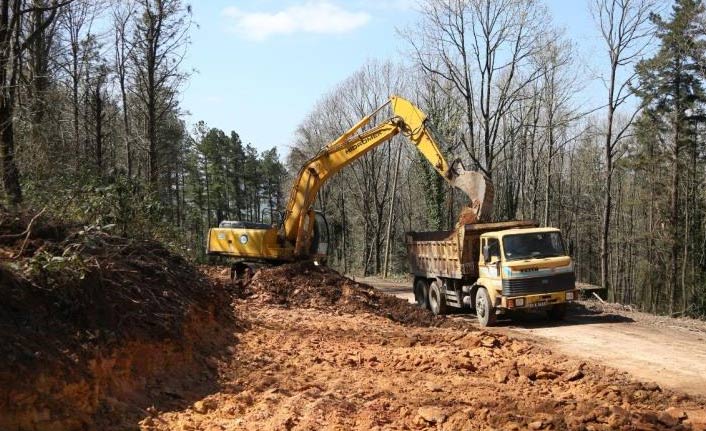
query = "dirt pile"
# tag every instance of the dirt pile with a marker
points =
(306, 285)
(307, 369)
(84, 317)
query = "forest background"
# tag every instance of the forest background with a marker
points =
(92, 127)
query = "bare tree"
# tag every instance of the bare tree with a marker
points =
(161, 37)
(122, 17)
(484, 47)
(39, 72)
(76, 25)
(625, 29)
(12, 44)
(557, 83)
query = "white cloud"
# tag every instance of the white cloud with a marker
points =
(314, 16)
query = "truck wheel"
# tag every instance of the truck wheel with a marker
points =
(557, 312)
(484, 308)
(437, 301)
(421, 292)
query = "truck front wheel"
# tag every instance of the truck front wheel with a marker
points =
(437, 300)
(484, 308)
(421, 292)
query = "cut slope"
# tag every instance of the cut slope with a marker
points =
(88, 321)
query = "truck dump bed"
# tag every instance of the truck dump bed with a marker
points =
(452, 254)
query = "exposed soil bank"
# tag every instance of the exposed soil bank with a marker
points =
(90, 324)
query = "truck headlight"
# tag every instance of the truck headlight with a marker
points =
(520, 302)
(569, 296)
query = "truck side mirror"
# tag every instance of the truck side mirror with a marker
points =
(486, 254)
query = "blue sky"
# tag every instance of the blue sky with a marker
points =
(262, 64)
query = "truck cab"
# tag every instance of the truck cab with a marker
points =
(523, 269)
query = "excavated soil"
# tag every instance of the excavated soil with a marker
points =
(303, 364)
(305, 285)
(304, 369)
(92, 326)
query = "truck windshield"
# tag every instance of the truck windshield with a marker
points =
(533, 245)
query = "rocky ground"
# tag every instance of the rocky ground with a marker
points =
(337, 360)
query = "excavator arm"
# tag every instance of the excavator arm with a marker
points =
(408, 120)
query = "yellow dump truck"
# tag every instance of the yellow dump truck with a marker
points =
(492, 268)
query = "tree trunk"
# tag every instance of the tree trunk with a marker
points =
(99, 128)
(10, 173)
(126, 126)
(608, 179)
(388, 234)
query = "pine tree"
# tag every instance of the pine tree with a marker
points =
(669, 85)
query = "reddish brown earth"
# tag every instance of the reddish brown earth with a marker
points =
(669, 351)
(335, 359)
(94, 328)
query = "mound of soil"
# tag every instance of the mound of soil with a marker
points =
(89, 320)
(306, 285)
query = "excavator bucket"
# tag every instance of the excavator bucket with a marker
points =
(479, 190)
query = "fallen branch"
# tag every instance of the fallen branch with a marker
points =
(598, 297)
(23, 233)
(28, 231)
(676, 313)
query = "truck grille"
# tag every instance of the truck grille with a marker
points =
(537, 285)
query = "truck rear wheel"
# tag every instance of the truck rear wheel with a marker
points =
(437, 301)
(421, 292)
(485, 311)
(557, 312)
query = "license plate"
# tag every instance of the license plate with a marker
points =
(539, 304)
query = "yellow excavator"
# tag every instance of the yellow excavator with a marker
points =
(303, 234)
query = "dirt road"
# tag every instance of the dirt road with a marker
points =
(670, 352)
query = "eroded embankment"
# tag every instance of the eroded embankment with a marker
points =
(96, 328)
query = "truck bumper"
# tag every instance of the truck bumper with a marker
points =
(538, 301)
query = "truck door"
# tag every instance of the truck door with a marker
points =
(492, 253)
